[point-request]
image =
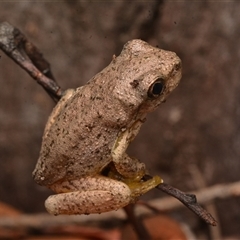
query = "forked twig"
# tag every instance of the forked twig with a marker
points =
(189, 200)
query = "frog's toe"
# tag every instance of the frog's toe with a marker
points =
(52, 206)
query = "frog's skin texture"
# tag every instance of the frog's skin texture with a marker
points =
(83, 156)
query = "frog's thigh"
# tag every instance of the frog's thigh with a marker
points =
(89, 195)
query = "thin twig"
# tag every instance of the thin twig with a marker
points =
(206, 195)
(27, 56)
(189, 200)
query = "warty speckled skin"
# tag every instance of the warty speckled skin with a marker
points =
(83, 156)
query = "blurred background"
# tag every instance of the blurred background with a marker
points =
(193, 137)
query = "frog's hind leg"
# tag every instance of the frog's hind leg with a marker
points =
(88, 195)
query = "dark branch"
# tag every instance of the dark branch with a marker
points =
(27, 56)
(189, 200)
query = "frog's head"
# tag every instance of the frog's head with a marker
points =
(146, 76)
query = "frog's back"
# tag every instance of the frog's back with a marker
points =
(78, 143)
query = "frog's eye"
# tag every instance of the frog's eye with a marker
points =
(156, 88)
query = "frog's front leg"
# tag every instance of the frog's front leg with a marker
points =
(131, 171)
(126, 166)
(130, 168)
(127, 169)
(88, 195)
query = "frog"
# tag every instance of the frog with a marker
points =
(83, 157)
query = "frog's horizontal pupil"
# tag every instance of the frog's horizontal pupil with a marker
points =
(157, 88)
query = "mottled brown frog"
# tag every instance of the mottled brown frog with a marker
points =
(83, 156)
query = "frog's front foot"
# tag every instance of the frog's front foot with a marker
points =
(135, 183)
(140, 188)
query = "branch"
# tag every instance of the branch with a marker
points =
(189, 200)
(206, 195)
(27, 56)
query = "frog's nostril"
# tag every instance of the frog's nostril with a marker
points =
(178, 66)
